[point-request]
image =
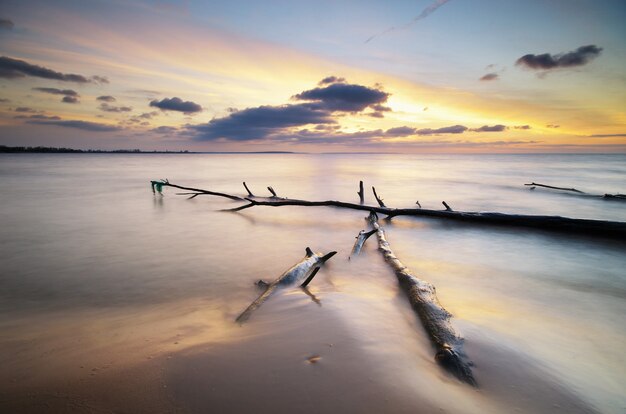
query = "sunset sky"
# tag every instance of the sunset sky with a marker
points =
(323, 76)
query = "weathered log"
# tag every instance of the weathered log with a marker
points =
(532, 185)
(605, 228)
(435, 319)
(361, 238)
(378, 199)
(302, 272)
(361, 193)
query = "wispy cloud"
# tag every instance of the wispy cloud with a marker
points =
(425, 13)
(84, 125)
(6, 24)
(607, 135)
(14, 68)
(110, 108)
(490, 77)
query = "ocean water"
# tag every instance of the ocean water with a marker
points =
(113, 298)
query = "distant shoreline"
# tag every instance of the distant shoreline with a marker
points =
(53, 150)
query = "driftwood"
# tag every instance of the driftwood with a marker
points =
(611, 229)
(302, 272)
(378, 199)
(605, 228)
(361, 193)
(434, 318)
(361, 238)
(618, 197)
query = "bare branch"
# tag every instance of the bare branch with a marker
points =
(248, 190)
(380, 200)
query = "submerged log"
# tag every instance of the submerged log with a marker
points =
(533, 185)
(302, 272)
(434, 318)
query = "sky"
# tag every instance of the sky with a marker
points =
(420, 76)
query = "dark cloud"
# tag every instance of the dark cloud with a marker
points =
(490, 77)
(14, 68)
(331, 79)
(6, 24)
(108, 108)
(318, 108)
(176, 104)
(546, 61)
(106, 98)
(487, 128)
(553, 126)
(607, 135)
(522, 127)
(70, 99)
(148, 115)
(25, 109)
(167, 130)
(376, 114)
(55, 91)
(84, 125)
(4, 100)
(402, 131)
(454, 129)
(343, 97)
(260, 122)
(37, 117)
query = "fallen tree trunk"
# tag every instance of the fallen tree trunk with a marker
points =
(302, 272)
(605, 228)
(612, 229)
(434, 318)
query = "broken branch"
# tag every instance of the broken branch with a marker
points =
(378, 199)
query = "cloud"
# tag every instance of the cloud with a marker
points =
(331, 79)
(176, 104)
(454, 129)
(4, 100)
(106, 98)
(100, 80)
(425, 13)
(344, 97)
(546, 61)
(316, 107)
(553, 126)
(607, 135)
(55, 91)
(167, 130)
(84, 125)
(108, 108)
(522, 127)
(490, 77)
(37, 117)
(70, 99)
(402, 131)
(14, 68)
(260, 122)
(487, 128)
(25, 109)
(6, 24)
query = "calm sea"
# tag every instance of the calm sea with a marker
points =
(102, 281)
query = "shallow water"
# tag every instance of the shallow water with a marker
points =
(102, 280)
